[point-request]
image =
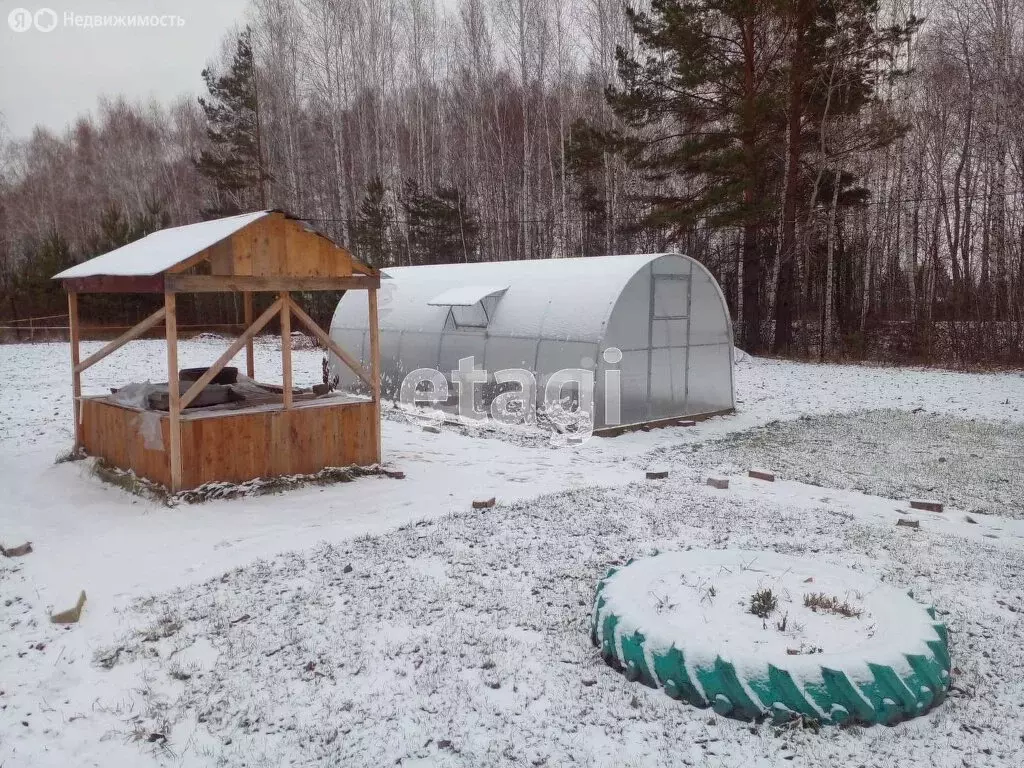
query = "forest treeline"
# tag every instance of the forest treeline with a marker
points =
(852, 171)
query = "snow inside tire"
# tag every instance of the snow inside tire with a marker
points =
(681, 621)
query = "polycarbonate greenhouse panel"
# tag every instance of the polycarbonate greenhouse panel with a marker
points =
(633, 371)
(710, 380)
(629, 325)
(504, 353)
(557, 355)
(670, 333)
(457, 345)
(671, 296)
(679, 265)
(419, 349)
(708, 324)
(668, 382)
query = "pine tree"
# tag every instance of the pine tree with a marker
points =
(457, 227)
(370, 232)
(115, 231)
(838, 57)
(33, 286)
(702, 100)
(440, 226)
(234, 161)
(584, 157)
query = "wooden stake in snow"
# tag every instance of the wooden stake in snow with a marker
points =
(721, 483)
(19, 551)
(657, 474)
(762, 474)
(928, 505)
(72, 615)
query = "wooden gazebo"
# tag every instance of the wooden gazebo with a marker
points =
(279, 433)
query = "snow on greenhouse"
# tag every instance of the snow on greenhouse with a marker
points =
(659, 320)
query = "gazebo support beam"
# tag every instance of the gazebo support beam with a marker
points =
(173, 392)
(228, 283)
(328, 342)
(76, 374)
(133, 333)
(286, 350)
(371, 296)
(115, 284)
(234, 349)
(250, 360)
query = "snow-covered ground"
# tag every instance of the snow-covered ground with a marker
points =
(384, 622)
(976, 465)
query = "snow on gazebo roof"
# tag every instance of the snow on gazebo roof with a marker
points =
(161, 250)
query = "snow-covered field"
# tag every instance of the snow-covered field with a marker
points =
(976, 465)
(383, 622)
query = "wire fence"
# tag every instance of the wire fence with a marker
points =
(15, 334)
(31, 320)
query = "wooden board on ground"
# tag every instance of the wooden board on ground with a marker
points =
(19, 551)
(72, 615)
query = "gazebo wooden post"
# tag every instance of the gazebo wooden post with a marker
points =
(375, 360)
(286, 351)
(250, 363)
(173, 393)
(76, 374)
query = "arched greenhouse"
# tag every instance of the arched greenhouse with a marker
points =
(665, 313)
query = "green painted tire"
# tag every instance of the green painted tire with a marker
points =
(897, 669)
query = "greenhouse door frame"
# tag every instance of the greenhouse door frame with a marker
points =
(652, 316)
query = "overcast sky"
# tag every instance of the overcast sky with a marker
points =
(48, 78)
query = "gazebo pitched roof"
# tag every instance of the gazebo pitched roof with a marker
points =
(161, 250)
(262, 250)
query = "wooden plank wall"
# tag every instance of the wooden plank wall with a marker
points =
(242, 446)
(113, 433)
(278, 247)
(237, 446)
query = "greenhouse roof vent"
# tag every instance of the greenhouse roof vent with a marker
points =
(469, 306)
(466, 295)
